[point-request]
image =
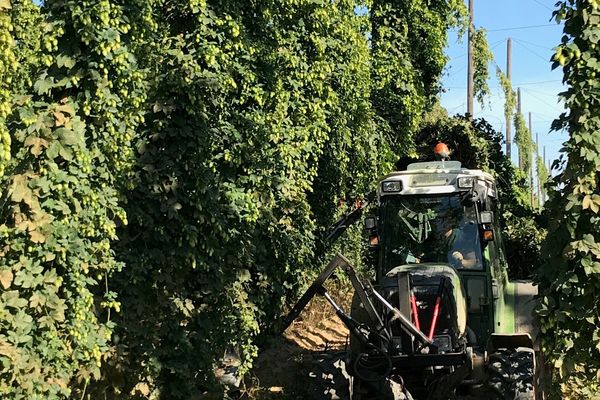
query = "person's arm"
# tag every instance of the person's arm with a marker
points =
(469, 260)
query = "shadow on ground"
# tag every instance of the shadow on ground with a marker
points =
(307, 362)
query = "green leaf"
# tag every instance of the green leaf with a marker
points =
(53, 150)
(58, 314)
(16, 302)
(43, 86)
(65, 61)
(67, 137)
(46, 322)
(65, 153)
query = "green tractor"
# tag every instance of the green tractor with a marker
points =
(441, 319)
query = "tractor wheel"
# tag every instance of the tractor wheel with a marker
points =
(511, 374)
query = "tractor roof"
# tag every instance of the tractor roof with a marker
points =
(440, 167)
(436, 177)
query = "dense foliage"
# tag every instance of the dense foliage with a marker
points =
(8, 68)
(570, 276)
(169, 167)
(522, 139)
(408, 38)
(70, 151)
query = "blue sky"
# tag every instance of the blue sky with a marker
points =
(534, 36)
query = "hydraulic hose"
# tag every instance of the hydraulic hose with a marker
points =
(372, 364)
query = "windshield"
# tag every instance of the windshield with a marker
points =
(419, 229)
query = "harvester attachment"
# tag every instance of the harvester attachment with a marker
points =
(374, 364)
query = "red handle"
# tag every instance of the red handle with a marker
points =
(436, 309)
(415, 312)
(436, 313)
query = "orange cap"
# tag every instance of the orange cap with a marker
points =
(442, 150)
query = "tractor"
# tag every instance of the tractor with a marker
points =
(440, 319)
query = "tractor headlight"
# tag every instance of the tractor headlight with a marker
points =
(466, 182)
(392, 186)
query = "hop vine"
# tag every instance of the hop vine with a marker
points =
(8, 68)
(510, 99)
(524, 142)
(482, 56)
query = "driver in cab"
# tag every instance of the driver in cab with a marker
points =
(459, 243)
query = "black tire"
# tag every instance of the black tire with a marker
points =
(511, 374)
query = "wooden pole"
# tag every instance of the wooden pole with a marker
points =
(539, 181)
(508, 76)
(470, 71)
(521, 157)
(544, 190)
(531, 162)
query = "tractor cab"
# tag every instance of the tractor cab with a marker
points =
(440, 214)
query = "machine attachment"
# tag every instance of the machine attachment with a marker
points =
(366, 293)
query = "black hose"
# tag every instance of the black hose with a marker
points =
(372, 364)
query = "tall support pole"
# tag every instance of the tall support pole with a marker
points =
(521, 158)
(528, 156)
(470, 71)
(539, 182)
(508, 76)
(544, 190)
(544, 155)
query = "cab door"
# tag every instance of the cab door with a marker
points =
(479, 305)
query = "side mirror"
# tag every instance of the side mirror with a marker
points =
(370, 223)
(486, 220)
(371, 228)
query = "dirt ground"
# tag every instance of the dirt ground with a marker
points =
(307, 361)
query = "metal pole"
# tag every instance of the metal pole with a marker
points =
(470, 62)
(508, 76)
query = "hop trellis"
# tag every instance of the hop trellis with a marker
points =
(169, 166)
